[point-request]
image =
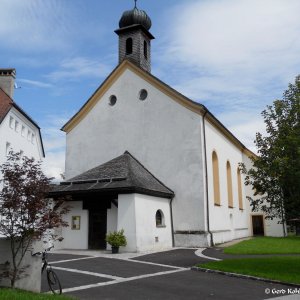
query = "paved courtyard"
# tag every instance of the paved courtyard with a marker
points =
(164, 275)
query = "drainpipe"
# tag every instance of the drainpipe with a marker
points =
(172, 226)
(206, 180)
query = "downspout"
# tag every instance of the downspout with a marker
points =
(172, 226)
(206, 180)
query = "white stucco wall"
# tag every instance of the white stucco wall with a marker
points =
(149, 236)
(112, 219)
(162, 134)
(225, 223)
(75, 239)
(127, 220)
(136, 215)
(30, 145)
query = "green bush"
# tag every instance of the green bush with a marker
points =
(116, 238)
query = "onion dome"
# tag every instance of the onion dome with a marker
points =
(135, 17)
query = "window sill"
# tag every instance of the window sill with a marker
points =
(219, 205)
(161, 226)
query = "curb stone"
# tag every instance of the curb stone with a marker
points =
(244, 276)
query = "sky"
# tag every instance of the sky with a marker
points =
(234, 56)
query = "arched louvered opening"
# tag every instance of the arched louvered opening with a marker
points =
(128, 46)
(145, 50)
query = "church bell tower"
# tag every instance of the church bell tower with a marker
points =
(135, 38)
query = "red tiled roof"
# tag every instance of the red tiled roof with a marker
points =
(5, 104)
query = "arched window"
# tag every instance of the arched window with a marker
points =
(145, 50)
(128, 46)
(240, 194)
(229, 185)
(216, 180)
(159, 218)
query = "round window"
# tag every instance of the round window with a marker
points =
(112, 100)
(143, 94)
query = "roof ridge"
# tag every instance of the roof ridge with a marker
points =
(135, 159)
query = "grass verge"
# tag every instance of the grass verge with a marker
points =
(266, 245)
(14, 294)
(285, 268)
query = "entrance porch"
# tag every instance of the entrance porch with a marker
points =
(120, 194)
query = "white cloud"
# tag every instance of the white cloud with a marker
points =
(34, 25)
(78, 67)
(37, 26)
(36, 83)
(230, 35)
(54, 165)
(233, 56)
(244, 124)
(54, 144)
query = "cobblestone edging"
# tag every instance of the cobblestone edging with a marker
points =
(243, 276)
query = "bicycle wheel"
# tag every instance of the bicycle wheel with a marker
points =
(53, 282)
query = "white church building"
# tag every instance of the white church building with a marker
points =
(144, 158)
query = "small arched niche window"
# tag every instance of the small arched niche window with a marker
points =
(240, 194)
(145, 50)
(128, 46)
(216, 180)
(159, 218)
(229, 185)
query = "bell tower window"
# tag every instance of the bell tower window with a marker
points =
(129, 46)
(145, 50)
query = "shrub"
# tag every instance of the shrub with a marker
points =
(116, 238)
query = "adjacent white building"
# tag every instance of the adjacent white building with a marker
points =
(145, 158)
(18, 132)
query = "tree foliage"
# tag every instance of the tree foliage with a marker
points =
(26, 212)
(275, 175)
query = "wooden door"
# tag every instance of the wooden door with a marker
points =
(97, 229)
(258, 225)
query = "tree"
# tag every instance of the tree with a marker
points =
(26, 212)
(275, 175)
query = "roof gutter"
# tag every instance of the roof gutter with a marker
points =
(206, 178)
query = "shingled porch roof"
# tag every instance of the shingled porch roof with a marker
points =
(122, 175)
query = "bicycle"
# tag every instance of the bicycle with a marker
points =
(52, 278)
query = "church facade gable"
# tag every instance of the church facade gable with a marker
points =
(161, 133)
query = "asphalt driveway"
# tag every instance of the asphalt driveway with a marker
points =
(164, 275)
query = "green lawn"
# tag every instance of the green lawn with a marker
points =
(266, 245)
(9, 294)
(282, 268)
